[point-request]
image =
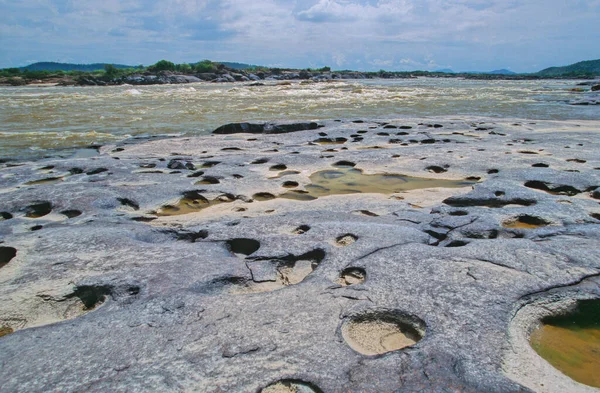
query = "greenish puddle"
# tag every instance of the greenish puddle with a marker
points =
(353, 181)
(49, 180)
(571, 343)
(342, 180)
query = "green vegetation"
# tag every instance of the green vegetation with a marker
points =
(52, 66)
(163, 65)
(110, 72)
(206, 66)
(586, 69)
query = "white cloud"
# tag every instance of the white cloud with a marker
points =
(469, 34)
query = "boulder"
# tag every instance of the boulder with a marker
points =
(265, 128)
(596, 87)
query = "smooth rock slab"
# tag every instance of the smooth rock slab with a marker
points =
(113, 297)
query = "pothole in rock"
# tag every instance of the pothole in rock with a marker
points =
(331, 141)
(243, 247)
(263, 196)
(285, 173)
(278, 167)
(352, 276)
(525, 222)
(6, 255)
(291, 386)
(571, 342)
(48, 180)
(379, 332)
(192, 202)
(346, 240)
(302, 229)
(554, 189)
(208, 180)
(82, 300)
(271, 274)
(353, 181)
(71, 213)
(38, 209)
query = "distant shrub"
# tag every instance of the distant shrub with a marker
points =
(205, 66)
(185, 68)
(111, 71)
(163, 65)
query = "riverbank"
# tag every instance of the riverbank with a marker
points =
(228, 75)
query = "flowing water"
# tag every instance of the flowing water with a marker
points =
(39, 121)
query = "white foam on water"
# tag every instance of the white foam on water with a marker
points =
(132, 92)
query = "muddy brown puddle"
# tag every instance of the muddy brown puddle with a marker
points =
(353, 181)
(571, 343)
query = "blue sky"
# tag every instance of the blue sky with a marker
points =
(521, 35)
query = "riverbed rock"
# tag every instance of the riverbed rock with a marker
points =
(265, 128)
(142, 277)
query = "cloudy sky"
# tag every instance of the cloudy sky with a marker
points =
(521, 35)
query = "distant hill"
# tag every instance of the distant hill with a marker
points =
(501, 72)
(236, 66)
(495, 72)
(583, 67)
(52, 66)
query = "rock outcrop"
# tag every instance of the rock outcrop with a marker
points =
(365, 256)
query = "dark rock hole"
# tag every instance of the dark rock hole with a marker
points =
(6, 255)
(38, 209)
(243, 246)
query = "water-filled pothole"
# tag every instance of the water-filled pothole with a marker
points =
(48, 180)
(571, 342)
(192, 202)
(345, 180)
(291, 386)
(379, 332)
(525, 222)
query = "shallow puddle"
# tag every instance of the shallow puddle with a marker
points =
(376, 335)
(571, 343)
(49, 180)
(186, 206)
(354, 181)
(525, 222)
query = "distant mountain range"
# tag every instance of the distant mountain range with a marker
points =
(495, 72)
(589, 66)
(52, 66)
(583, 67)
(236, 66)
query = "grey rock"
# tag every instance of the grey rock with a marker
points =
(123, 297)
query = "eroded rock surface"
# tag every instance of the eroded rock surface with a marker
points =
(119, 272)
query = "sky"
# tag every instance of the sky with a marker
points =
(366, 35)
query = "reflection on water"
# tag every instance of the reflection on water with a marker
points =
(35, 119)
(571, 343)
(354, 181)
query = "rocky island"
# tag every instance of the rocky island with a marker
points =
(334, 256)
